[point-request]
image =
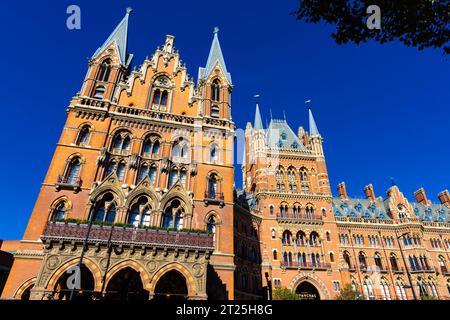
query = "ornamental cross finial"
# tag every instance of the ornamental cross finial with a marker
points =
(129, 10)
(216, 30)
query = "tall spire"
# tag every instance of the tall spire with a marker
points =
(312, 125)
(258, 121)
(119, 36)
(215, 57)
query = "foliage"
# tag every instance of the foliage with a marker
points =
(348, 293)
(416, 23)
(284, 294)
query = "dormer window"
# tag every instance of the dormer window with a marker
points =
(284, 136)
(161, 89)
(295, 145)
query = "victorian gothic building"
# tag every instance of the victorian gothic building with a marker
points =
(139, 200)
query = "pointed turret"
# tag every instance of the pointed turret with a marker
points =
(215, 57)
(119, 37)
(258, 121)
(312, 125)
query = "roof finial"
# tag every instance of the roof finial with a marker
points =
(393, 181)
(216, 30)
(129, 10)
(284, 115)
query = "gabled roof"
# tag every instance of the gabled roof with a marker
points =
(215, 57)
(120, 37)
(280, 135)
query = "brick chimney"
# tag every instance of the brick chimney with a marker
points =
(444, 198)
(370, 194)
(421, 197)
(342, 191)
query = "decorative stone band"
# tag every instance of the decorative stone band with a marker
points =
(55, 231)
(28, 253)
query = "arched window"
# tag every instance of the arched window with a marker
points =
(156, 97)
(346, 257)
(273, 233)
(287, 236)
(300, 238)
(400, 289)
(213, 153)
(164, 96)
(368, 289)
(303, 175)
(393, 261)
(99, 92)
(314, 239)
(105, 209)
(331, 257)
(121, 142)
(173, 215)
(155, 149)
(441, 261)
(121, 170)
(215, 111)
(73, 172)
(275, 255)
(211, 224)
(140, 213)
(362, 261)
(104, 71)
(212, 186)
(59, 213)
(83, 136)
(386, 295)
(378, 261)
(215, 90)
(328, 236)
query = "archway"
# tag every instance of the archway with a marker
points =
(171, 286)
(307, 291)
(84, 292)
(26, 293)
(126, 285)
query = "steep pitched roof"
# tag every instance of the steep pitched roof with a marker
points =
(215, 57)
(280, 135)
(258, 121)
(313, 131)
(120, 37)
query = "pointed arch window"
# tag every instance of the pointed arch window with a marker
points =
(213, 153)
(73, 172)
(378, 261)
(140, 213)
(212, 187)
(105, 209)
(173, 215)
(215, 90)
(83, 135)
(59, 213)
(104, 71)
(99, 92)
(121, 142)
(211, 225)
(362, 261)
(179, 151)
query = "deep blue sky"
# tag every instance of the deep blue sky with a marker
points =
(383, 110)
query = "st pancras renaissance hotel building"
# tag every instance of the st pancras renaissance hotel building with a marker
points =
(139, 201)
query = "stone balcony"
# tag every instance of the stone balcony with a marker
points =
(72, 232)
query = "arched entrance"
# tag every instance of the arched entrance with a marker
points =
(126, 285)
(62, 291)
(26, 293)
(171, 286)
(307, 291)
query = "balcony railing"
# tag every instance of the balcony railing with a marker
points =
(299, 216)
(68, 182)
(398, 270)
(305, 265)
(218, 196)
(422, 270)
(132, 236)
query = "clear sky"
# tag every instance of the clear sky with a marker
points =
(383, 110)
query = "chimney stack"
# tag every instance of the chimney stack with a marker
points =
(444, 198)
(370, 194)
(342, 191)
(421, 197)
